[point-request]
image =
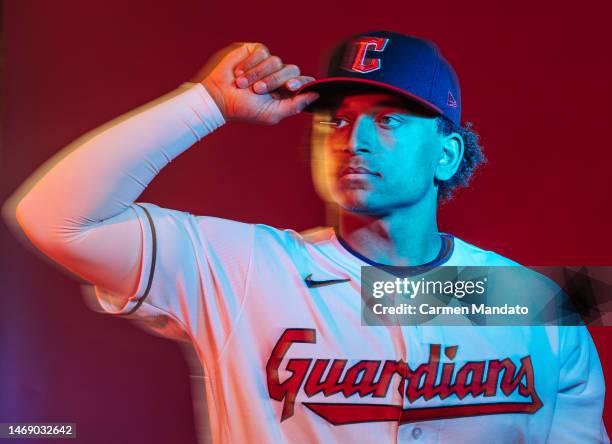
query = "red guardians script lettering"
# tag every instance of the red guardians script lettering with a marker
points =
(430, 380)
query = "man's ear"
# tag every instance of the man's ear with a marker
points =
(450, 156)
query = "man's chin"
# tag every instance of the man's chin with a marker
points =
(357, 204)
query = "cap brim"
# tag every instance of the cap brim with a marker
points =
(330, 88)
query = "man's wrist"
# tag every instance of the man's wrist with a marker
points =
(215, 95)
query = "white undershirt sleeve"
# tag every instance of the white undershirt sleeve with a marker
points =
(81, 213)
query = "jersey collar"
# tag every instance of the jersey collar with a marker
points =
(446, 250)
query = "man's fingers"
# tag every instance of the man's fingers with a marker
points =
(266, 67)
(257, 53)
(296, 105)
(276, 79)
(235, 53)
(297, 82)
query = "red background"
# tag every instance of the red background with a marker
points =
(535, 80)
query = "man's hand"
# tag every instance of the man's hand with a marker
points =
(249, 84)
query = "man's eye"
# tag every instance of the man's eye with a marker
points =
(389, 121)
(335, 122)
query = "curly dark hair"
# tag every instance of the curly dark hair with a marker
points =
(473, 157)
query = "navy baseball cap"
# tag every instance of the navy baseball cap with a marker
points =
(408, 66)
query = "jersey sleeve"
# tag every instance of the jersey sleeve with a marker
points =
(193, 276)
(579, 406)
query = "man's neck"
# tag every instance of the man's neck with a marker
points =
(402, 237)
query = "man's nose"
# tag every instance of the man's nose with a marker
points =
(360, 137)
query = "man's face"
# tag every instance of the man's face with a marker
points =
(373, 153)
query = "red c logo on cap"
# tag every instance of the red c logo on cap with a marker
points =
(364, 64)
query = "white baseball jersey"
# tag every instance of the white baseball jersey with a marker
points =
(285, 361)
(289, 363)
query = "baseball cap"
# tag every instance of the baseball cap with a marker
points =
(408, 66)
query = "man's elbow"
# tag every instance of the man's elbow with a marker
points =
(27, 219)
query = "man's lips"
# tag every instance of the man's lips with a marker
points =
(357, 171)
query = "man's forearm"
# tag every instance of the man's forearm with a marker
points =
(107, 170)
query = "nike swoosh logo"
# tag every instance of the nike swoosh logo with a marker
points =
(310, 283)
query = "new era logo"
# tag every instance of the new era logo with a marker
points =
(451, 100)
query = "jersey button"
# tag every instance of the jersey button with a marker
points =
(417, 432)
